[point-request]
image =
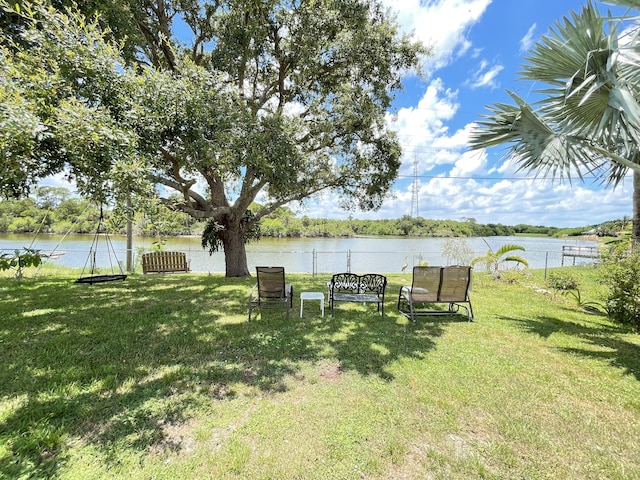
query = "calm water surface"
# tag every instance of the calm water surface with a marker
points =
(305, 255)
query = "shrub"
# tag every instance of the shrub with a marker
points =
(586, 305)
(457, 251)
(514, 276)
(621, 273)
(20, 259)
(562, 281)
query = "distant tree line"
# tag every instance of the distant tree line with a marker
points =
(283, 223)
(56, 210)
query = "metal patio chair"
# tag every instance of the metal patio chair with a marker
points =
(270, 290)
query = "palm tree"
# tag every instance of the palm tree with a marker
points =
(588, 117)
(493, 260)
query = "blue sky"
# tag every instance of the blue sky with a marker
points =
(480, 46)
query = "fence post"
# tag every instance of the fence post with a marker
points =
(546, 262)
(349, 261)
(314, 263)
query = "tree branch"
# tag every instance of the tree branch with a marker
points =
(201, 203)
(184, 185)
(299, 196)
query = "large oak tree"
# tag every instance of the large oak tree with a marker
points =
(225, 102)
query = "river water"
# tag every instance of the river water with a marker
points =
(301, 255)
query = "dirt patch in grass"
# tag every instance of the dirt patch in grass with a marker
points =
(177, 437)
(331, 371)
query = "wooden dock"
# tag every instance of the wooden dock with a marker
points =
(574, 252)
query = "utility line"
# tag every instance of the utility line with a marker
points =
(584, 177)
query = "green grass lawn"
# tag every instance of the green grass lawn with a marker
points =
(163, 377)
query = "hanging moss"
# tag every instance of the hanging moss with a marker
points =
(211, 237)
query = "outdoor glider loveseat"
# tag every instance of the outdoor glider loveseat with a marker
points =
(433, 285)
(349, 287)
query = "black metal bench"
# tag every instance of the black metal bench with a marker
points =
(349, 287)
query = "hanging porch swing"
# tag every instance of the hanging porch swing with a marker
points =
(93, 276)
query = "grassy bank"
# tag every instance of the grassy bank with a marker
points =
(163, 377)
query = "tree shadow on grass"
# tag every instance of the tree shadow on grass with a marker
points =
(112, 365)
(619, 352)
(368, 343)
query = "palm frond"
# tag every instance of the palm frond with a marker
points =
(534, 144)
(624, 3)
(515, 258)
(596, 99)
(560, 55)
(618, 165)
(508, 247)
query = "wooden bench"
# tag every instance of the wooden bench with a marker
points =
(164, 262)
(349, 287)
(433, 285)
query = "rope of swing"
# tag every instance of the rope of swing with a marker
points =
(55, 249)
(94, 248)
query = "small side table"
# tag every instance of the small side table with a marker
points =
(311, 296)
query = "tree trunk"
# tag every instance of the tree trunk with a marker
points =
(635, 229)
(235, 254)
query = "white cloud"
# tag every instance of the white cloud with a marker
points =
(513, 202)
(459, 140)
(422, 130)
(441, 23)
(528, 40)
(469, 163)
(485, 76)
(509, 202)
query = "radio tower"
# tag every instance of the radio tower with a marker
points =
(414, 191)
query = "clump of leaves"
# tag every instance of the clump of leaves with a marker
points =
(20, 259)
(621, 273)
(514, 276)
(494, 260)
(211, 237)
(457, 251)
(562, 281)
(567, 285)
(586, 305)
